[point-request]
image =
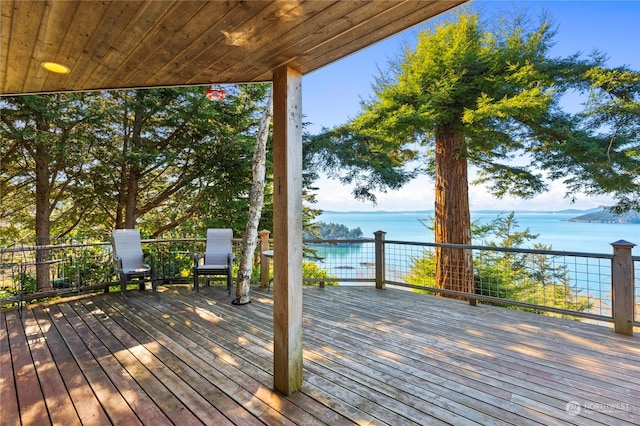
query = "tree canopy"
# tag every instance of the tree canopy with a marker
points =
(158, 159)
(497, 83)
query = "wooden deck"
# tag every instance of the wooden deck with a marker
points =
(372, 357)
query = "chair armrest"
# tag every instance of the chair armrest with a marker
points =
(117, 264)
(196, 260)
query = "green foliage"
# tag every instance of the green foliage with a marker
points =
(309, 176)
(312, 270)
(44, 155)
(422, 271)
(365, 161)
(27, 283)
(522, 277)
(80, 266)
(173, 153)
(174, 259)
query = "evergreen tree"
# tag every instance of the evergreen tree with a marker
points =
(169, 155)
(473, 94)
(43, 159)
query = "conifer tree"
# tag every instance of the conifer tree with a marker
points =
(490, 96)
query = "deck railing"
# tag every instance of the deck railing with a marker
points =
(594, 286)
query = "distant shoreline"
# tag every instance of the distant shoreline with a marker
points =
(551, 229)
(493, 211)
(596, 215)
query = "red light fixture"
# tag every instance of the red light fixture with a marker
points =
(215, 93)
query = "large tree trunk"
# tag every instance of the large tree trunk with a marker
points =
(256, 201)
(454, 266)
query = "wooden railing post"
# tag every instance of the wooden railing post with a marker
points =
(622, 280)
(380, 266)
(264, 260)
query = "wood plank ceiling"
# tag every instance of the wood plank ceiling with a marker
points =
(136, 44)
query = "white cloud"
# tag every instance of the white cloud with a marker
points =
(419, 195)
(416, 195)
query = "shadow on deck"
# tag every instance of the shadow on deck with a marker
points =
(371, 357)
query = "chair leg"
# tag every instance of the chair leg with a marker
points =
(229, 283)
(154, 282)
(124, 278)
(195, 282)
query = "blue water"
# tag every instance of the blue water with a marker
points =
(554, 229)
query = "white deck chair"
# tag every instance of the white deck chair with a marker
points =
(128, 260)
(217, 257)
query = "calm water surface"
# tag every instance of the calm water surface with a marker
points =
(554, 229)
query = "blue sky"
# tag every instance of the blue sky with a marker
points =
(332, 94)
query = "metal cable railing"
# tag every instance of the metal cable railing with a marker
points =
(577, 284)
(562, 283)
(342, 261)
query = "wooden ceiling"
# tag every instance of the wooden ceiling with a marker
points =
(135, 44)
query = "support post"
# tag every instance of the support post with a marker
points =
(287, 230)
(622, 280)
(380, 266)
(264, 260)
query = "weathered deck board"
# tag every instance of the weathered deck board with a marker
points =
(255, 372)
(9, 412)
(94, 368)
(477, 343)
(194, 349)
(28, 391)
(51, 381)
(80, 392)
(372, 357)
(112, 356)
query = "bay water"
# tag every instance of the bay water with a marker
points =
(553, 228)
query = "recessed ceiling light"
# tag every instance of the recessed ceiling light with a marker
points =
(55, 67)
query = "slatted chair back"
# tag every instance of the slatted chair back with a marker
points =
(128, 247)
(218, 246)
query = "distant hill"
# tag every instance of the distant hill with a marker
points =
(577, 211)
(605, 216)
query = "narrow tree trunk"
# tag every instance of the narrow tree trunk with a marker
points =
(120, 201)
(256, 201)
(43, 215)
(134, 170)
(122, 185)
(131, 198)
(454, 267)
